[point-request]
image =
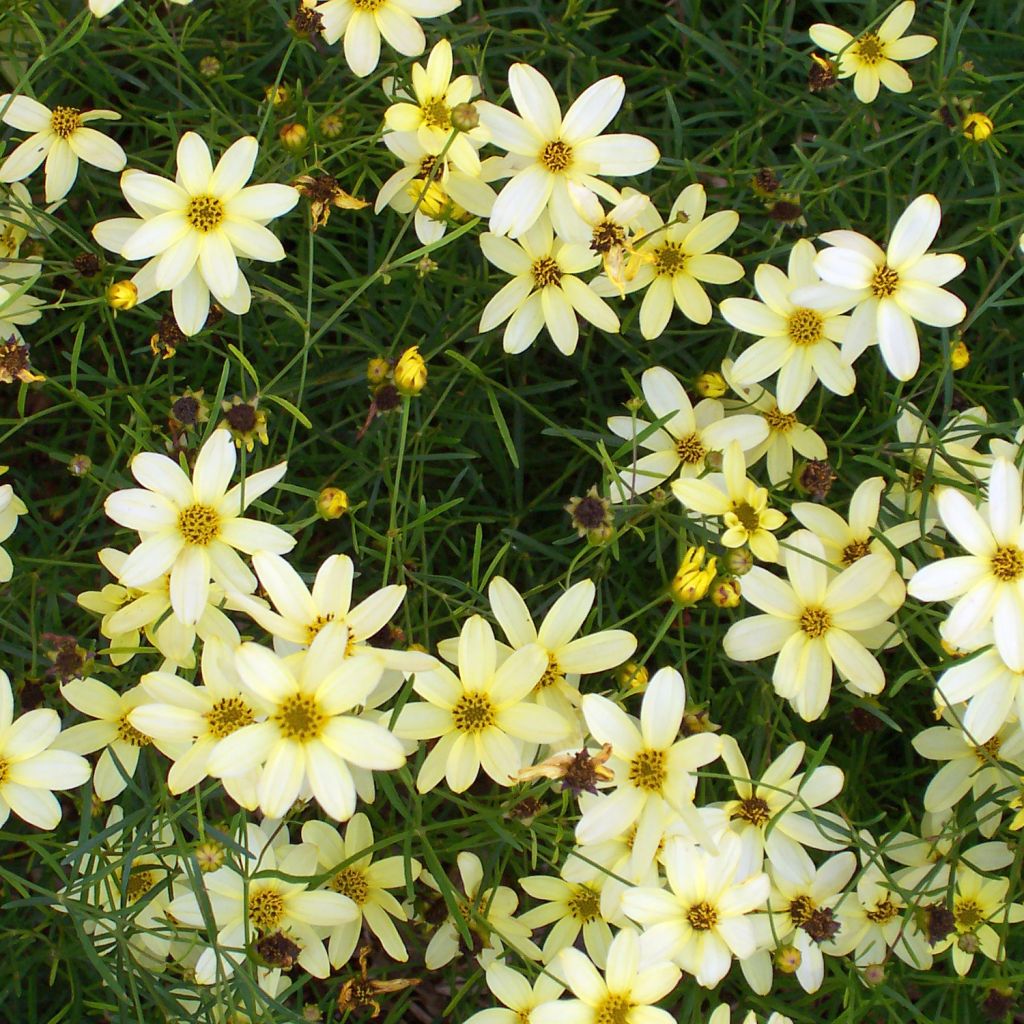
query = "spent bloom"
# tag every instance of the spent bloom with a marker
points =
(871, 58)
(61, 138)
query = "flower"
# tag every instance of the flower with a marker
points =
(701, 922)
(674, 260)
(891, 288)
(364, 882)
(544, 290)
(684, 438)
(611, 233)
(17, 309)
(363, 22)
(101, 8)
(871, 58)
(739, 501)
(813, 622)
(481, 716)
(31, 766)
(513, 991)
(800, 343)
(310, 737)
(411, 372)
(550, 151)
(61, 138)
(11, 506)
(988, 583)
(191, 528)
(623, 996)
(193, 229)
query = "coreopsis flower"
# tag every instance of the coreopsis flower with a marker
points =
(312, 734)
(981, 769)
(61, 138)
(17, 309)
(31, 767)
(742, 505)
(481, 716)
(722, 1014)
(127, 611)
(631, 984)
(682, 439)
(192, 527)
(786, 434)
(798, 342)
(987, 584)
(120, 741)
(549, 151)
(654, 768)
(702, 921)
(427, 112)
(778, 814)
(365, 882)
(571, 907)
(488, 913)
(198, 717)
(545, 290)
(516, 994)
(363, 22)
(674, 262)
(101, 8)
(891, 287)
(871, 57)
(193, 229)
(251, 898)
(611, 232)
(812, 623)
(848, 540)
(11, 506)
(947, 452)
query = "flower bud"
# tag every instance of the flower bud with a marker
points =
(293, 137)
(739, 561)
(411, 372)
(331, 126)
(788, 959)
(122, 295)
(726, 593)
(277, 95)
(210, 66)
(377, 370)
(464, 117)
(632, 675)
(959, 355)
(978, 127)
(711, 384)
(332, 503)
(692, 580)
(79, 465)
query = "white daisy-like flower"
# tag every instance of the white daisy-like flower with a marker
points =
(683, 439)
(192, 528)
(61, 138)
(17, 307)
(545, 290)
(871, 58)
(571, 908)
(987, 584)
(363, 22)
(812, 623)
(516, 994)
(800, 343)
(312, 733)
(193, 229)
(891, 287)
(11, 506)
(101, 8)
(553, 150)
(31, 766)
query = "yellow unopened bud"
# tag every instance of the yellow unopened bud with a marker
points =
(959, 355)
(693, 578)
(277, 95)
(978, 127)
(632, 675)
(711, 384)
(122, 295)
(739, 561)
(293, 137)
(331, 126)
(726, 593)
(377, 370)
(788, 959)
(332, 503)
(411, 372)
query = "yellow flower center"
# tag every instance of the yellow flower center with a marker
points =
(368, 5)
(436, 114)
(989, 750)
(204, 213)
(546, 271)
(647, 770)
(473, 713)
(815, 622)
(228, 715)
(64, 121)
(316, 625)
(783, 422)
(556, 156)
(139, 883)
(607, 236)
(806, 327)
(613, 1010)
(5, 770)
(702, 916)
(127, 733)
(300, 718)
(669, 259)
(869, 49)
(801, 910)
(553, 674)
(1008, 563)
(753, 809)
(967, 914)
(199, 524)
(690, 450)
(585, 904)
(855, 551)
(885, 282)
(882, 912)
(351, 883)
(266, 908)
(749, 518)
